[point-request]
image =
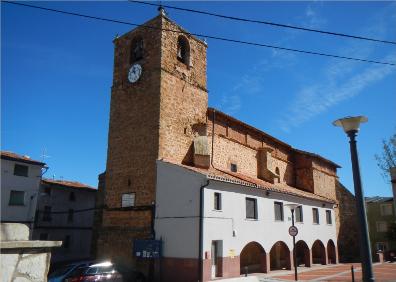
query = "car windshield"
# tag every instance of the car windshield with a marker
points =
(78, 271)
(61, 271)
(100, 269)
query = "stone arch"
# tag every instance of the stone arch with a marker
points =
(253, 258)
(183, 50)
(303, 255)
(318, 253)
(280, 256)
(331, 252)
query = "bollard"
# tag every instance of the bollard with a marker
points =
(353, 274)
(246, 271)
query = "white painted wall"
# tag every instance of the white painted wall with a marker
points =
(29, 184)
(178, 196)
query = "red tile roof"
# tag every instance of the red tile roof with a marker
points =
(241, 179)
(6, 155)
(68, 184)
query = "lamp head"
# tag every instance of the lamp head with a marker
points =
(292, 206)
(350, 123)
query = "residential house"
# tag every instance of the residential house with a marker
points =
(20, 182)
(65, 213)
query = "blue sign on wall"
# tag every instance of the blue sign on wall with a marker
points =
(147, 248)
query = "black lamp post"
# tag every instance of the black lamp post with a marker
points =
(292, 208)
(351, 128)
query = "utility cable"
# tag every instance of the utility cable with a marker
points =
(201, 35)
(264, 22)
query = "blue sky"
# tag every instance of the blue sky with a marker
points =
(56, 73)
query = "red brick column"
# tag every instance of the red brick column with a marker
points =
(289, 261)
(308, 258)
(325, 258)
(267, 263)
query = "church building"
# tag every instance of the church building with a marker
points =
(217, 192)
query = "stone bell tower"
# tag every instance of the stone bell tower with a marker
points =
(158, 104)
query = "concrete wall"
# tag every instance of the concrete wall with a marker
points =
(30, 185)
(22, 260)
(79, 230)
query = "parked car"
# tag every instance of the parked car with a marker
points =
(105, 271)
(61, 273)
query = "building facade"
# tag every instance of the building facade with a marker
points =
(165, 146)
(381, 218)
(65, 212)
(20, 181)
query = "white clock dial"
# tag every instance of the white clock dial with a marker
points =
(134, 73)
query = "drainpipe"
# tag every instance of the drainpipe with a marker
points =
(201, 211)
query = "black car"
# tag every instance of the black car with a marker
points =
(105, 271)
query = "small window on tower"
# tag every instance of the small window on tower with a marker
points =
(183, 50)
(234, 168)
(136, 50)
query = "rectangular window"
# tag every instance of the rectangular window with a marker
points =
(382, 226)
(278, 207)
(21, 170)
(17, 198)
(386, 209)
(70, 215)
(72, 197)
(315, 215)
(66, 242)
(43, 236)
(234, 168)
(217, 201)
(47, 213)
(329, 220)
(251, 208)
(47, 190)
(299, 214)
(128, 200)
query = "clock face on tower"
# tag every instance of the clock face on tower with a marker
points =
(134, 73)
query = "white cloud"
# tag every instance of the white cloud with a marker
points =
(340, 79)
(317, 98)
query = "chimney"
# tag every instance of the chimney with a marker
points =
(264, 171)
(201, 152)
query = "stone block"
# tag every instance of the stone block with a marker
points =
(34, 266)
(8, 263)
(14, 232)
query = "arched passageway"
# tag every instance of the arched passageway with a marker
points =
(302, 254)
(331, 252)
(318, 253)
(280, 256)
(253, 259)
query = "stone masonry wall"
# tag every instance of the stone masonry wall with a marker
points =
(184, 98)
(347, 225)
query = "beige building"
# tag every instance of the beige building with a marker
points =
(159, 111)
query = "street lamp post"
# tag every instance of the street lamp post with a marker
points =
(351, 128)
(293, 229)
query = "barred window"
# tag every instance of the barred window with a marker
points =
(251, 208)
(315, 215)
(278, 207)
(299, 214)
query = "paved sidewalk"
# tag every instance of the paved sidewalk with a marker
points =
(385, 272)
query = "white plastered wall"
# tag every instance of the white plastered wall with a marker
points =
(177, 215)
